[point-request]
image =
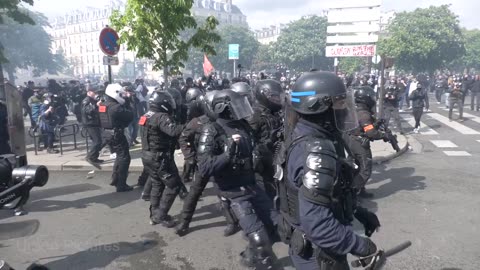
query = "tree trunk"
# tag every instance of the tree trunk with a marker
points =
(11, 75)
(165, 76)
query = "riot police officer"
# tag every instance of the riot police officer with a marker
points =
(115, 116)
(244, 89)
(159, 137)
(391, 104)
(225, 152)
(266, 124)
(358, 140)
(189, 143)
(91, 122)
(316, 198)
(194, 98)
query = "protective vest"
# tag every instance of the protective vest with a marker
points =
(241, 167)
(153, 139)
(106, 119)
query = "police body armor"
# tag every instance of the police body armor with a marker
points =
(366, 120)
(153, 139)
(202, 121)
(241, 164)
(108, 119)
(334, 189)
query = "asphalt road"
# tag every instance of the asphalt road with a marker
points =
(428, 196)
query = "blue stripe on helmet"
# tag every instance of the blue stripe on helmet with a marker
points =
(295, 100)
(303, 94)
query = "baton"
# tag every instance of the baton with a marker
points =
(387, 253)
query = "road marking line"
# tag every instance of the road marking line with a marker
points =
(454, 125)
(457, 153)
(424, 128)
(443, 144)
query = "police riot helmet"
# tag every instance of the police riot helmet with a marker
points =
(193, 94)
(162, 101)
(208, 104)
(243, 89)
(269, 94)
(116, 92)
(228, 104)
(321, 93)
(365, 95)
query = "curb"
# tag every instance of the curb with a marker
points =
(383, 159)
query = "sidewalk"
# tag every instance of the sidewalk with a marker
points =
(74, 160)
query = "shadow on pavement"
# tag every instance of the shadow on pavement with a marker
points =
(40, 194)
(112, 200)
(100, 256)
(19, 229)
(400, 179)
(211, 210)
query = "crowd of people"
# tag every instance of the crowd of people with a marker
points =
(275, 150)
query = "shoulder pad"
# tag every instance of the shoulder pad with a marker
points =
(320, 164)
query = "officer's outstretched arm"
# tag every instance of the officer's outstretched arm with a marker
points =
(316, 216)
(209, 163)
(169, 127)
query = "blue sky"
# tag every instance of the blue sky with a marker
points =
(266, 12)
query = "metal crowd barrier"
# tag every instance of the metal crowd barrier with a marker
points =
(84, 134)
(36, 134)
(64, 131)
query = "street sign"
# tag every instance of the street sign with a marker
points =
(233, 51)
(353, 15)
(376, 59)
(354, 28)
(108, 41)
(350, 51)
(352, 39)
(110, 60)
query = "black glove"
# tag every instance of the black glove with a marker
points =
(369, 249)
(368, 219)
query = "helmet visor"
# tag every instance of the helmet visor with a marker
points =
(240, 108)
(345, 113)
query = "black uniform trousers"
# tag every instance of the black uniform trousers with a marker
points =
(265, 176)
(438, 94)
(119, 144)
(362, 153)
(165, 182)
(196, 189)
(253, 209)
(95, 134)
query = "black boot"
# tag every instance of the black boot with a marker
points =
(156, 217)
(183, 228)
(259, 252)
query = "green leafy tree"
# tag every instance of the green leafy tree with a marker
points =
(264, 59)
(350, 65)
(11, 9)
(472, 48)
(301, 45)
(424, 40)
(233, 34)
(28, 45)
(153, 30)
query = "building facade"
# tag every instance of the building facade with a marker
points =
(77, 35)
(224, 10)
(270, 34)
